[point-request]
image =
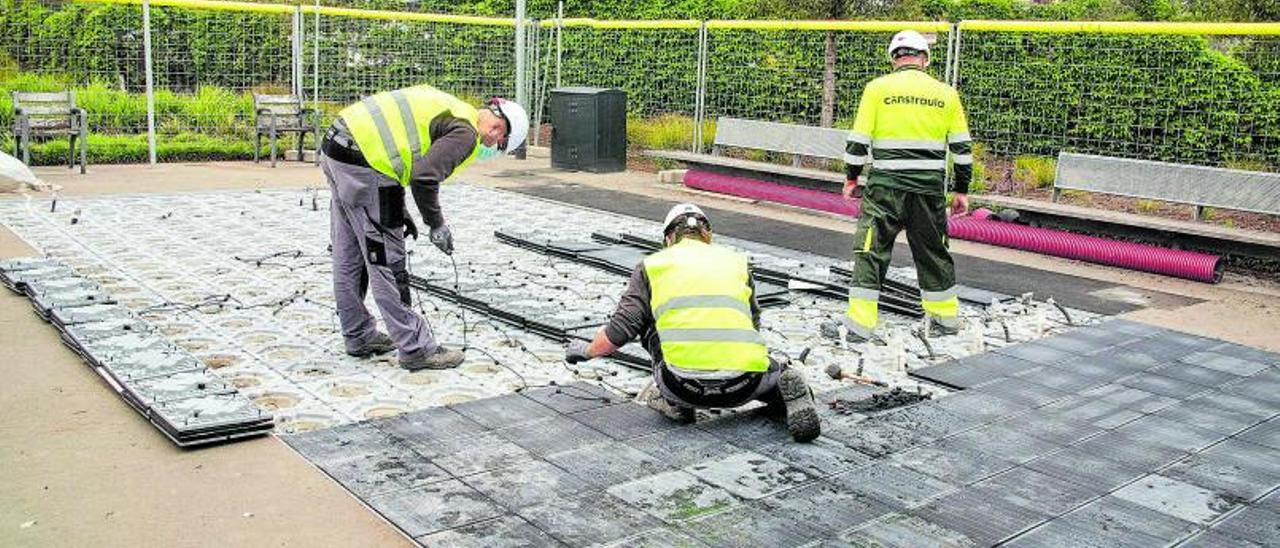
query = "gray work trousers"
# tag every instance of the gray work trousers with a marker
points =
(720, 393)
(366, 228)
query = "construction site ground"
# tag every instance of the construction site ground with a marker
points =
(78, 467)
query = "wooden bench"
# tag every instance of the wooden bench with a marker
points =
(49, 115)
(1198, 186)
(277, 114)
(799, 141)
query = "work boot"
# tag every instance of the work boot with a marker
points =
(442, 358)
(802, 415)
(379, 344)
(652, 397)
(831, 329)
(940, 327)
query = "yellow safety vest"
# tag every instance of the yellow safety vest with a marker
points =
(393, 127)
(701, 302)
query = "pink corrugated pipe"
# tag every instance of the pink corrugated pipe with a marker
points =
(1147, 258)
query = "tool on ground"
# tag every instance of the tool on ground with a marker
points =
(838, 373)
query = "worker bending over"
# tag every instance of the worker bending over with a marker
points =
(907, 122)
(693, 306)
(414, 137)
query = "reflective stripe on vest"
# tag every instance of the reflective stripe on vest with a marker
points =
(394, 127)
(701, 302)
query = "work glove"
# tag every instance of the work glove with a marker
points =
(442, 238)
(410, 229)
(576, 352)
(852, 190)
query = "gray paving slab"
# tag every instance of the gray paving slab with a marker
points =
(1085, 468)
(904, 530)
(1061, 379)
(662, 537)
(501, 532)
(750, 526)
(1091, 411)
(981, 517)
(1130, 452)
(1080, 342)
(974, 370)
(573, 397)
(749, 429)
(680, 447)
(1176, 498)
(425, 429)
(1246, 353)
(608, 463)
(1126, 523)
(1005, 441)
(1240, 404)
(552, 435)
(1253, 524)
(1132, 399)
(391, 467)
(1130, 327)
(873, 438)
(1235, 468)
(820, 458)
(625, 420)
(824, 507)
(330, 445)
(978, 406)
(589, 519)
(954, 462)
(748, 475)
(434, 507)
(1204, 415)
(1021, 391)
(526, 483)
(1186, 340)
(1215, 539)
(1267, 434)
(928, 419)
(1095, 367)
(1162, 385)
(1043, 426)
(1257, 388)
(1060, 532)
(1169, 433)
(1160, 350)
(1037, 353)
(674, 496)
(895, 485)
(1224, 363)
(473, 454)
(1195, 374)
(504, 411)
(1037, 491)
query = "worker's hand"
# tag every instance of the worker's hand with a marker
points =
(410, 229)
(442, 238)
(851, 189)
(959, 204)
(576, 352)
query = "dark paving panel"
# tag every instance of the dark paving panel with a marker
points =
(749, 429)
(1062, 380)
(895, 485)
(1087, 469)
(824, 507)
(1203, 414)
(1126, 523)
(1020, 391)
(674, 496)
(820, 458)
(1091, 411)
(747, 474)
(955, 463)
(1187, 340)
(1240, 404)
(1168, 433)
(1160, 350)
(1162, 385)
(574, 397)
(1060, 533)
(469, 455)
(1252, 524)
(1267, 434)
(609, 463)
(979, 516)
(552, 435)
(1130, 452)
(974, 370)
(1224, 363)
(504, 411)
(1130, 327)
(681, 447)
(1235, 468)
(902, 530)
(336, 444)
(1081, 341)
(1043, 426)
(1176, 498)
(425, 428)
(1037, 353)
(390, 467)
(1003, 441)
(979, 407)
(1037, 491)
(625, 420)
(873, 438)
(662, 537)
(928, 419)
(1247, 353)
(1214, 539)
(589, 519)
(750, 526)
(503, 532)
(1195, 374)
(526, 484)
(1257, 388)
(434, 507)
(1095, 367)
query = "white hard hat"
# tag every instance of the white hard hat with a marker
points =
(517, 122)
(908, 39)
(679, 211)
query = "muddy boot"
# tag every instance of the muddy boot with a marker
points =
(442, 358)
(802, 416)
(830, 329)
(652, 397)
(941, 327)
(379, 344)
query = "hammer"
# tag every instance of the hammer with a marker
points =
(836, 372)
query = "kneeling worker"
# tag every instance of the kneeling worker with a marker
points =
(414, 137)
(693, 305)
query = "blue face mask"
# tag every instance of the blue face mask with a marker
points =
(487, 153)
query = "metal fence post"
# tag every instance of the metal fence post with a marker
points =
(700, 90)
(520, 53)
(315, 63)
(955, 64)
(559, 38)
(151, 96)
(295, 53)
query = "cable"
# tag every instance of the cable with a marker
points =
(457, 290)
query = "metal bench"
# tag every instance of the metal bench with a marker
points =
(799, 141)
(277, 114)
(1198, 186)
(49, 115)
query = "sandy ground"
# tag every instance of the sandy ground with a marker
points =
(77, 466)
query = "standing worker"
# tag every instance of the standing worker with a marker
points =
(414, 137)
(907, 122)
(693, 306)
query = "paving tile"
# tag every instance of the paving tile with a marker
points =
(625, 420)
(526, 484)
(434, 507)
(1162, 385)
(1252, 524)
(681, 447)
(608, 463)
(974, 370)
(1061, 379)
(1186, 340)
(985, 519)
(1021, 391)
(1132, 399)
(1090, 411)
(749, 429)
(1247, 353)
(750, 526)
(1240, 404)
(748, 474)
(589, 519)
(1267, 433)
(1209, 417)
(502, 532)
(1130, 327)
(874, 438)
(674, 496)
(662, 537)
(487, 451)
(892, 484)
(1179, 499)
(573, 397)
(1260, 389)
(1235, 468)
(552, 435)
(1094, 367)
(1158, 349)
(1004, 441)
(928, 419)
(1043, 426)
(820, 458)
(1060, 532)
(426, 428)
(1215, 539)
(337, 443)
(1037, 353)
(1168, 433)
(1038, 491)
(392, 467)
(1130, 452)
(1196, 374)
(978, 406)
(825, 507)
(1224, 363)
(903, 530)
(955, 463)
(504, 411)
(1126, 523)
(1074, 343)
(1085, 468)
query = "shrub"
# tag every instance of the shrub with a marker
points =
(1035, 171)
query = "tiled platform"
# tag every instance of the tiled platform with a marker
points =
(1119, 434)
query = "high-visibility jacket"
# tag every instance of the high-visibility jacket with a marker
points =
(701, 304)
(393, 128)
(907, 122)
